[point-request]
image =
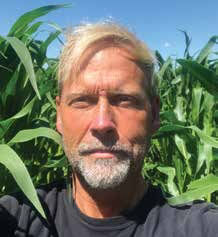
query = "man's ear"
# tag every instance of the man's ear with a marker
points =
(58, 115)
(155, 108)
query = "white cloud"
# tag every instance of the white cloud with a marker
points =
(167, 45)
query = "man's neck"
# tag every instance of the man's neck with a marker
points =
(108, 203)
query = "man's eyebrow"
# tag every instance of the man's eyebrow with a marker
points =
(130, 93)
(109, 93)
(125, 92)
(75, 95)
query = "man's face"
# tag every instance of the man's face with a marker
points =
(106, 119)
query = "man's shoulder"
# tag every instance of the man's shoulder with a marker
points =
(196, 207)
(196, 217)
(44, 192)
(17, 211)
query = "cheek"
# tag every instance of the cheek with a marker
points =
(135, 126)
(74, 125)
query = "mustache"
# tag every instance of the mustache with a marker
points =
(124, 149)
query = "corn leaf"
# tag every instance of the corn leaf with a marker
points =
(196, 102)
(46, 43)
(30, 16)
(57, 163)
(197, 190)
(5, 124)
(180, 143)
(10, 89)
(29, 134)
(187, 44)
(14, 164)
(25, 58)
(207, 78)
(180, 109)
(178, 128)
(31, 30)
(169, 129)
(55, 26)
(170, 172)
(204, 137)
(48, 95)
(207, 49)
(163, 68)
(203, 155)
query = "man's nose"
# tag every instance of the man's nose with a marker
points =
(103, 119)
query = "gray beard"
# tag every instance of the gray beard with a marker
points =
(102, 173)
(106, 173)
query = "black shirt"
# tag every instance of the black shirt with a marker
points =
(152, 217)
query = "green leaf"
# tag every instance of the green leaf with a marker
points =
(170, 128)
(182, 148)
(180, 176)
(196, 102)
(204, 137)
(25, 110)
(197, 190)
(207, 49)
(5, 68)
(169, 116)
(202, 155)
(14, 164)
(55, 26)
(10, 89)
(216, 114)
(63, 162)
(2, 39)
(170, 172)
(48, 95)
(160, 59)
(207, 180)
(5, 124)
(29, 134)
(209, 157)
(164, 68)
(46, 43)
(180, 108)
(165, 130)
(31, 30)
(207, 78)
(30, 16)
(187, 43)
(207, 108)
(25, 58)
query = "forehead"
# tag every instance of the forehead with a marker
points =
(109, 56)
(110, 68)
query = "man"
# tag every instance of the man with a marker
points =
(107, 111)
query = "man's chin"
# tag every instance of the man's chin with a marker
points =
(102, 173)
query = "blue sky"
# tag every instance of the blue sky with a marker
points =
(156, 22)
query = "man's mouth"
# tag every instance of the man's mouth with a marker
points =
(103, 153)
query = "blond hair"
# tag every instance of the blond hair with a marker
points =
(86, 36)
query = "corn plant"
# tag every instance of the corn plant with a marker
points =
(184, 151)
(27, 109)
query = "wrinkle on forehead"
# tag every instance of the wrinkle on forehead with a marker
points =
(99, 57)
(108, 70)
(97, 54)
(111, 61)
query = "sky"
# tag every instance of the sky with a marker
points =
(157, 22)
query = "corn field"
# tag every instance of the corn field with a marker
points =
(183, 159)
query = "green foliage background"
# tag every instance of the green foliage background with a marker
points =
(184, 153)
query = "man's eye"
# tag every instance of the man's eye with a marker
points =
(124, 100)
(82, 102)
